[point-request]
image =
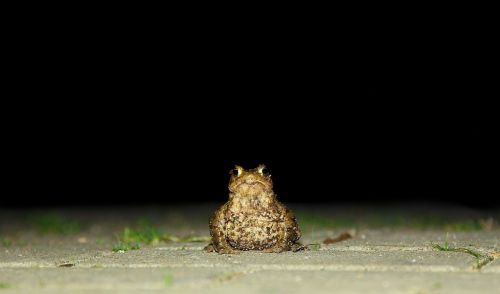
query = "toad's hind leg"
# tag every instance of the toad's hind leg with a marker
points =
(290, 235)
(218, 234)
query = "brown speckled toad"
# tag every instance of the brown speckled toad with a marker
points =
(252, 218)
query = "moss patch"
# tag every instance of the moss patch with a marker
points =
(125, 246)
(6, 242)
(131, 238)
(5, 285)
(168, 280)
(54, 223)
(481, 259)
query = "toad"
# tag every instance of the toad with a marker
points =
(253, 218)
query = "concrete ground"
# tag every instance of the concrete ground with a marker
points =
(391, 249)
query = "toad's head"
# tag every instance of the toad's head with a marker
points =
(251, 182)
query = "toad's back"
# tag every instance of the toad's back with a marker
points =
(252, 231)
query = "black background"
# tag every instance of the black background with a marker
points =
(138, 117)
(164, 154)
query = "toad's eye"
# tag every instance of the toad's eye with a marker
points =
(237, 171)
(262, 170)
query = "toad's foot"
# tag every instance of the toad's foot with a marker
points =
(224, 250)
(209, 248)
(278, 249)
(296, 247)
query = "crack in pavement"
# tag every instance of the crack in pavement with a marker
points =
(483, 257)
(355, 248)
(92, 261)
(272, 267)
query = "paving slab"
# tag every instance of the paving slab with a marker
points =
(306, 260)
(494, 266)
(49, 251)
(218, 280)
(384, 259)
(46, 251)
(412, 238)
